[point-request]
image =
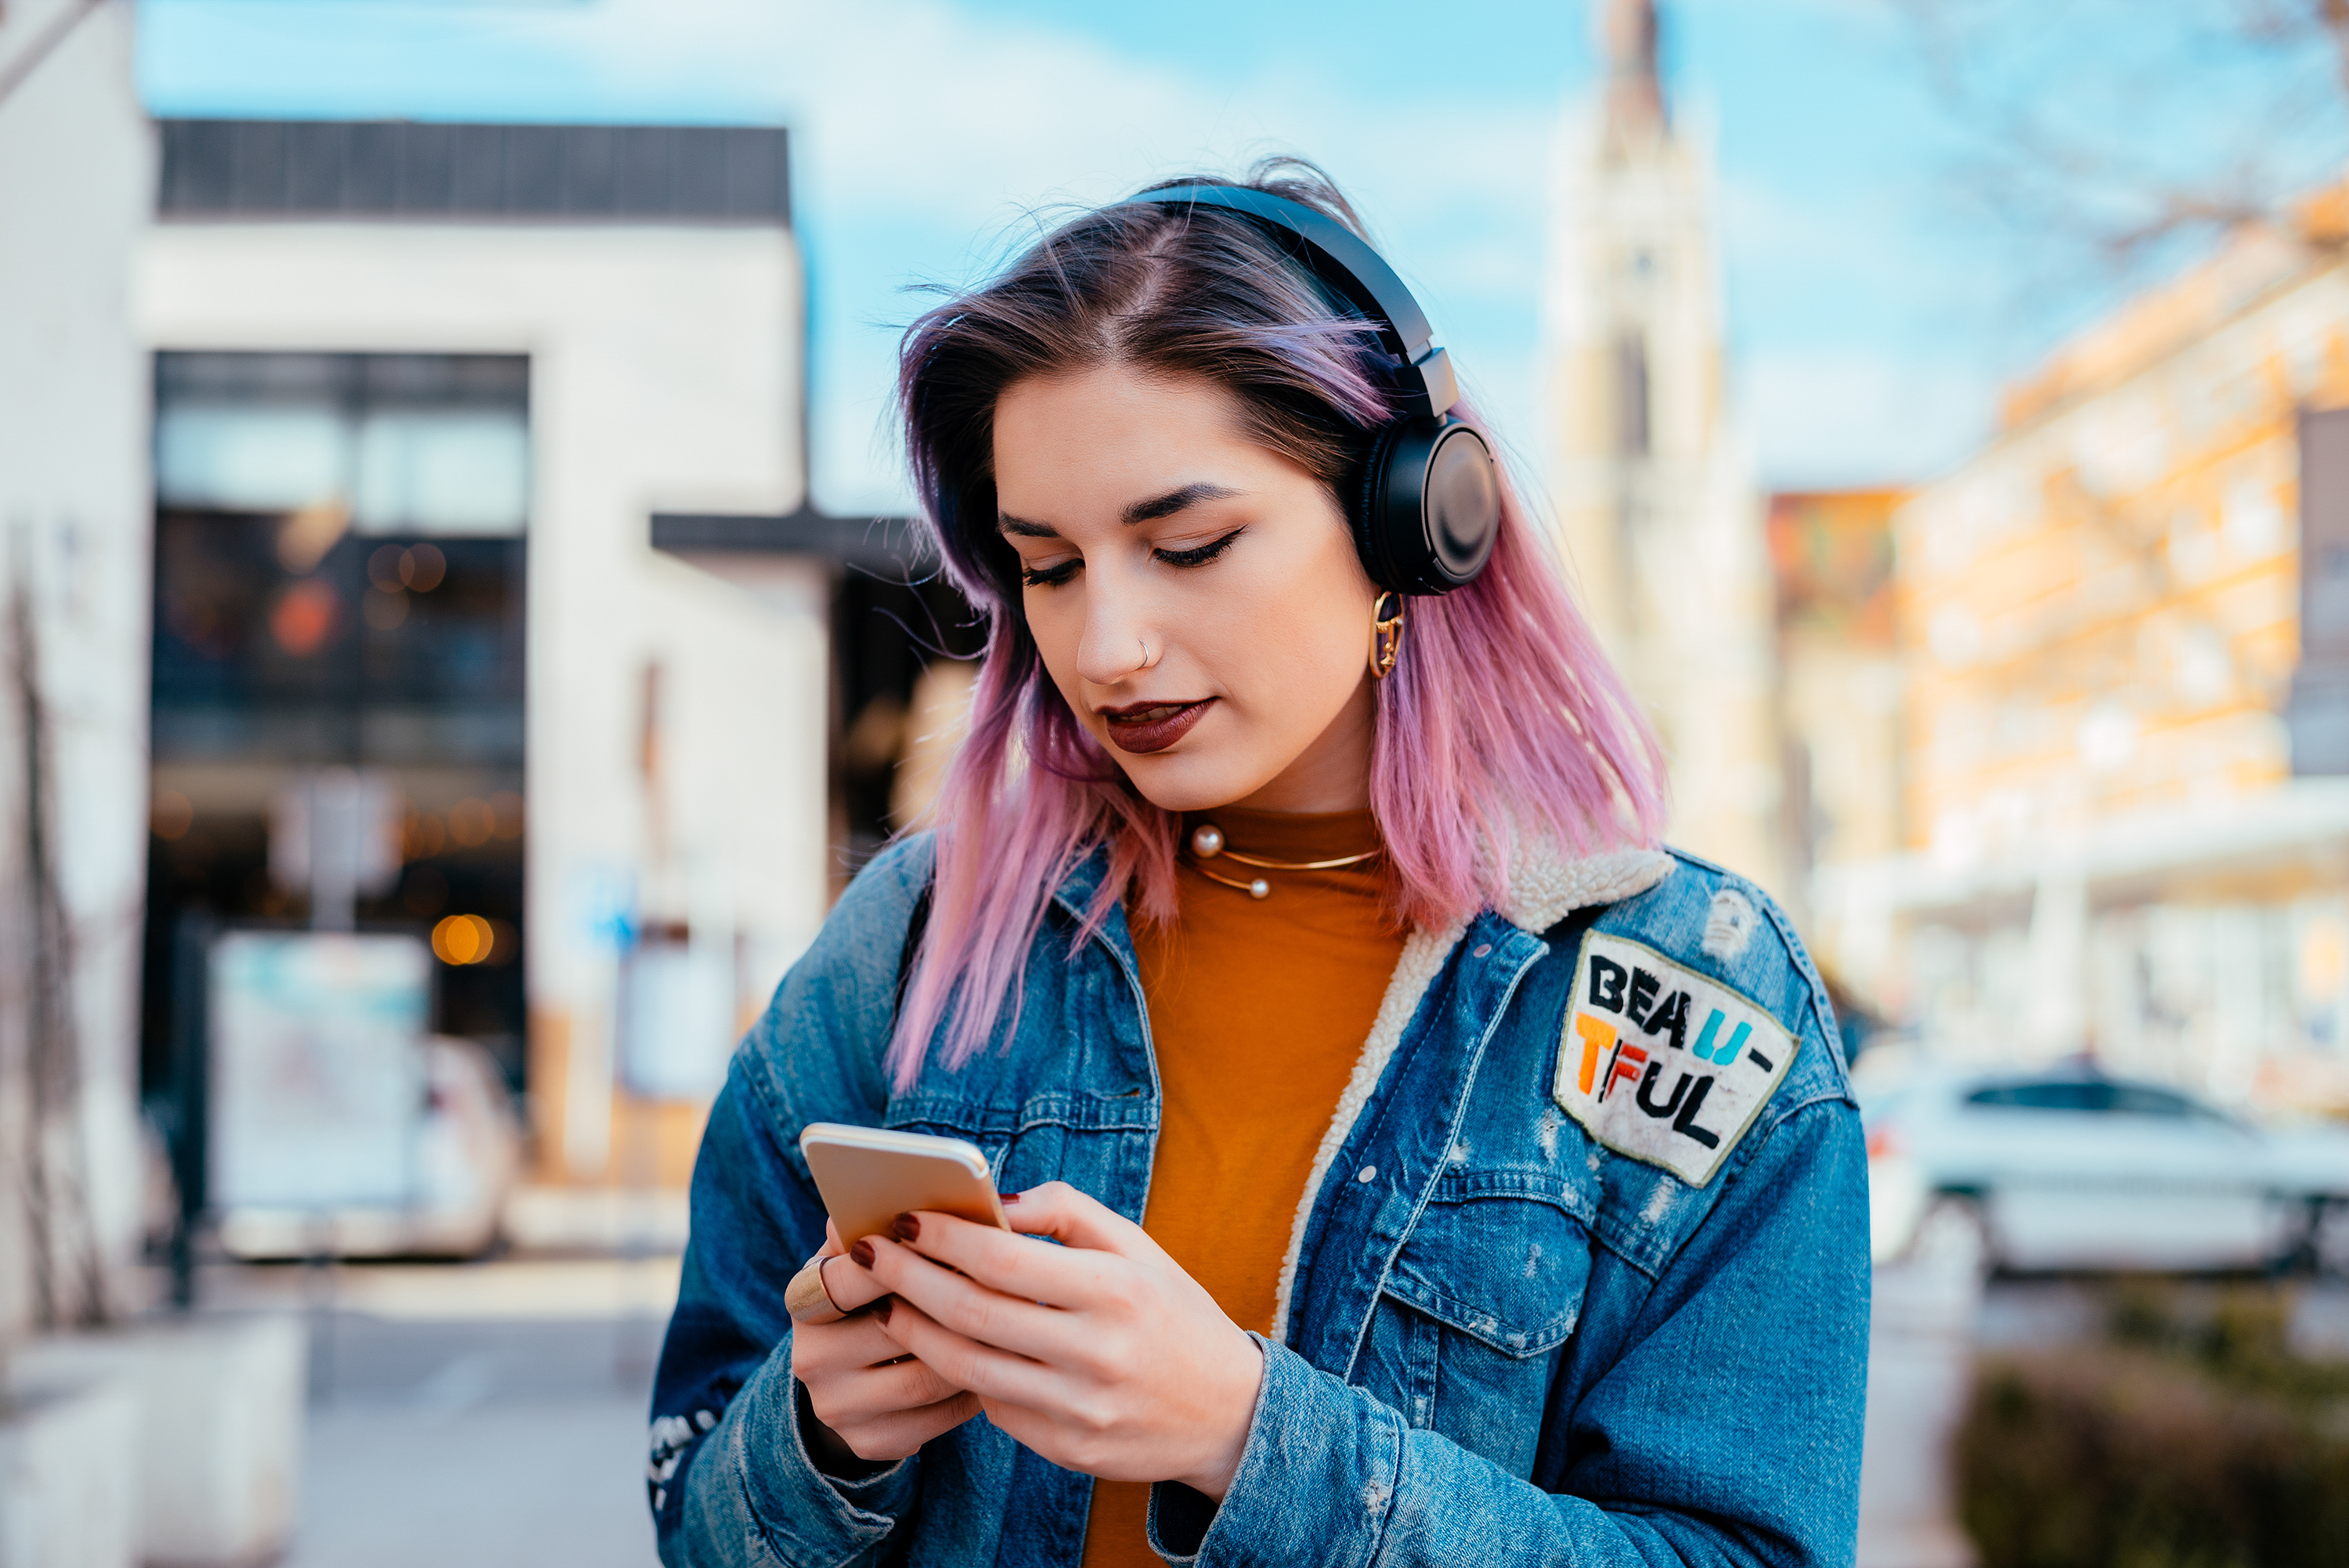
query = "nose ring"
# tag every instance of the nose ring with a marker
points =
(1146, 660)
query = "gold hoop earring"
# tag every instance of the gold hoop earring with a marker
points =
(1386, 636)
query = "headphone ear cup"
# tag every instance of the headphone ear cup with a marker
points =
(1365, 504)
(1430, 502)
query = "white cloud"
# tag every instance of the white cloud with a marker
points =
(1854, 363)
(1834, 416)
(917, 103)
(917, 117)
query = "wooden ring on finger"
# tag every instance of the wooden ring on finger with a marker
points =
(808, 1298)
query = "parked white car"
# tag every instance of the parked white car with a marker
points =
(2069, 1169)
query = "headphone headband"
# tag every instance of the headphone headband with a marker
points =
(1345, 261)
(1424, 501)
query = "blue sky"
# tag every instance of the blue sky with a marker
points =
(1870, 322)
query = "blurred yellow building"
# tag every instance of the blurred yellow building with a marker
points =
(2123, 635)
(1839, 680)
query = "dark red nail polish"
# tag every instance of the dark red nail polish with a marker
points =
(881, 1307)
(1012, 1197)
(906, 1228)
(860, 1253)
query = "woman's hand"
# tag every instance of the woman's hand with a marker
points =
(870, 1403)
(1101, 1355)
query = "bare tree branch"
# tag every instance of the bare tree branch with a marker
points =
(13, 73)
(2138, 192)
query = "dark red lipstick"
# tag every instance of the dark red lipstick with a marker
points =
(1143, 728)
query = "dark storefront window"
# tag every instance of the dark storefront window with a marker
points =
(338, 637)
(888, 631)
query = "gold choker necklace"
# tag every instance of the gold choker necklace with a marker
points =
(1208, 842)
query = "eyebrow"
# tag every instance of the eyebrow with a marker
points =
(1149, 510)
(1174, 500)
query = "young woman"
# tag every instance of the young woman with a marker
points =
(1441, 1172)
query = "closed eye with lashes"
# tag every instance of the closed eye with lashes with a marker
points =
(1198, 555)
(1049, 576)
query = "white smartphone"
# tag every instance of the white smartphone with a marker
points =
(869, 1175)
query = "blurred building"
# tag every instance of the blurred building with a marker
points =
(2124, 632)
(405, 531)
(904, 656)
(417, 389)
(1839, 681)
(77, 165)
(1657, 507)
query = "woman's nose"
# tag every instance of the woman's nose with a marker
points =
(1115, 646)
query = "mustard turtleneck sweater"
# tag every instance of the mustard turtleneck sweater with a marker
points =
(1258, 1008)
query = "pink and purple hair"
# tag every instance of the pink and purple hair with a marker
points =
(1503, 717)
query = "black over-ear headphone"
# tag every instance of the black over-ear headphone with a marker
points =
(1427, 504)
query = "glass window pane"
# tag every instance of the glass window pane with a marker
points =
(2062, 1095)
(250, 457)
(2134, 1099)
(457, 471)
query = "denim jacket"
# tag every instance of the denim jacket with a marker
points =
(1580, 1274)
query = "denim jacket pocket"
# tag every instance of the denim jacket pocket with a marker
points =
(1082, 1138)
(1500, 1256)
(994, 1130)
(1487, 1288)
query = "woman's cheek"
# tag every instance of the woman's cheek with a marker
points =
(1290, 678)
(1057, 632)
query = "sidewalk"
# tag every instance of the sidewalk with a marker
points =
(1921, 1336)
(472, 1415)
(467, 1442)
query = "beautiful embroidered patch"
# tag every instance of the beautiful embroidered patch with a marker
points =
(1661, 1064)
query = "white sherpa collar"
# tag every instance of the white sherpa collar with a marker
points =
(1547, 885)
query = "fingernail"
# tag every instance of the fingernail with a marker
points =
(1012, 1197)
(881, 1307)
(906, 1228)
(859, 1252)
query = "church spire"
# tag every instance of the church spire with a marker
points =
(1635, 92)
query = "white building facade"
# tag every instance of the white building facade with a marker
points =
(76, 159)
(613, 318)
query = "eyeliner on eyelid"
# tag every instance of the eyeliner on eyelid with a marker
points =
(1199, 555)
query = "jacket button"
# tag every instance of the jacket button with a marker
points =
(1366, 1173)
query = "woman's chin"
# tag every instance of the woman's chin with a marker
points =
(1175, 780)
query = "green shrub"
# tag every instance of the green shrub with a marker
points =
(2189, 1442)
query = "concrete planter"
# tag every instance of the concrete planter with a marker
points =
(218, 1444)
(68, 1486)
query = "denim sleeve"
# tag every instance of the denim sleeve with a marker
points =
(731, 1481)
(1723, 1427)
